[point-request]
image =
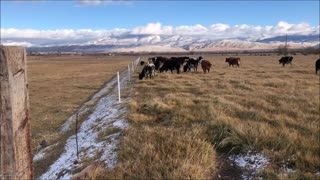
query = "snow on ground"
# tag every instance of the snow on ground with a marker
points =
(107, 113)
(40, 154)
(250, 163)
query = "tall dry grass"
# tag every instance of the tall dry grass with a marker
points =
(180, 123)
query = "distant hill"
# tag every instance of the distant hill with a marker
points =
(179, 43)
(292, 38)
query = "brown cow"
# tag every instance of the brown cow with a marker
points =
(233, 61)
(206, 65)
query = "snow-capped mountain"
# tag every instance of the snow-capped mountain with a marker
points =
(178, 43)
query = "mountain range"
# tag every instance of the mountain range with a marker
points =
(179, 43)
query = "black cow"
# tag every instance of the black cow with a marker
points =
(174, 63)
(147, 71)
(233, 61)
(317, 66)
(286, 60)
(192, 63)
(158, 61)
(186, 67)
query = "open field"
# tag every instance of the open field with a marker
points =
(181, 125)
(59, 85)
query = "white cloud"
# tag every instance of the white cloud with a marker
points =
(24, 44)
(152, 28)
(191, 30)
(219, 27)
(93, 2)
(31, 37)
(60, 36)
(102, 2)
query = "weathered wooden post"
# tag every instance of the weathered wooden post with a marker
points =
(15, 147)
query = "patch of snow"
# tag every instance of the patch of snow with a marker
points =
(250, 163)
(40, 154)
(290, 170)
(120, 124)
(107, 113)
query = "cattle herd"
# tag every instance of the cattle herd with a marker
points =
(164, 64)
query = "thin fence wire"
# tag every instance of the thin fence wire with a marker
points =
(122, 76)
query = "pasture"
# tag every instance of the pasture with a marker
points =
(58, 85)
(185, 125)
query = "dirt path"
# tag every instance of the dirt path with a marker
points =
(106, 116)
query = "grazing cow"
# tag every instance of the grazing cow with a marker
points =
(192, 63)
(186, 68)
(174, 63)
(142, 63)
(147, 71)
(233, 61)
(158, 61)
(317, 66)
(206, 65)
(286, 60)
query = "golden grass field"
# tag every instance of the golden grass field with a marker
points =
(180, 124)
(59, 85)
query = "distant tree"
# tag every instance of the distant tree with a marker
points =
(310, 50)
(282, 50)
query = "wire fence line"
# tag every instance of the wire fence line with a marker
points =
(122, 77)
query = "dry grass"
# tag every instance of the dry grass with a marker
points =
(57, 88)
(179, 122)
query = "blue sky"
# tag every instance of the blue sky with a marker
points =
(42, 22)
(45, 15)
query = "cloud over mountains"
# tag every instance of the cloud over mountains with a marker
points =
(32, 37)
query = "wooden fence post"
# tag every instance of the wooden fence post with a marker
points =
(15, 146)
